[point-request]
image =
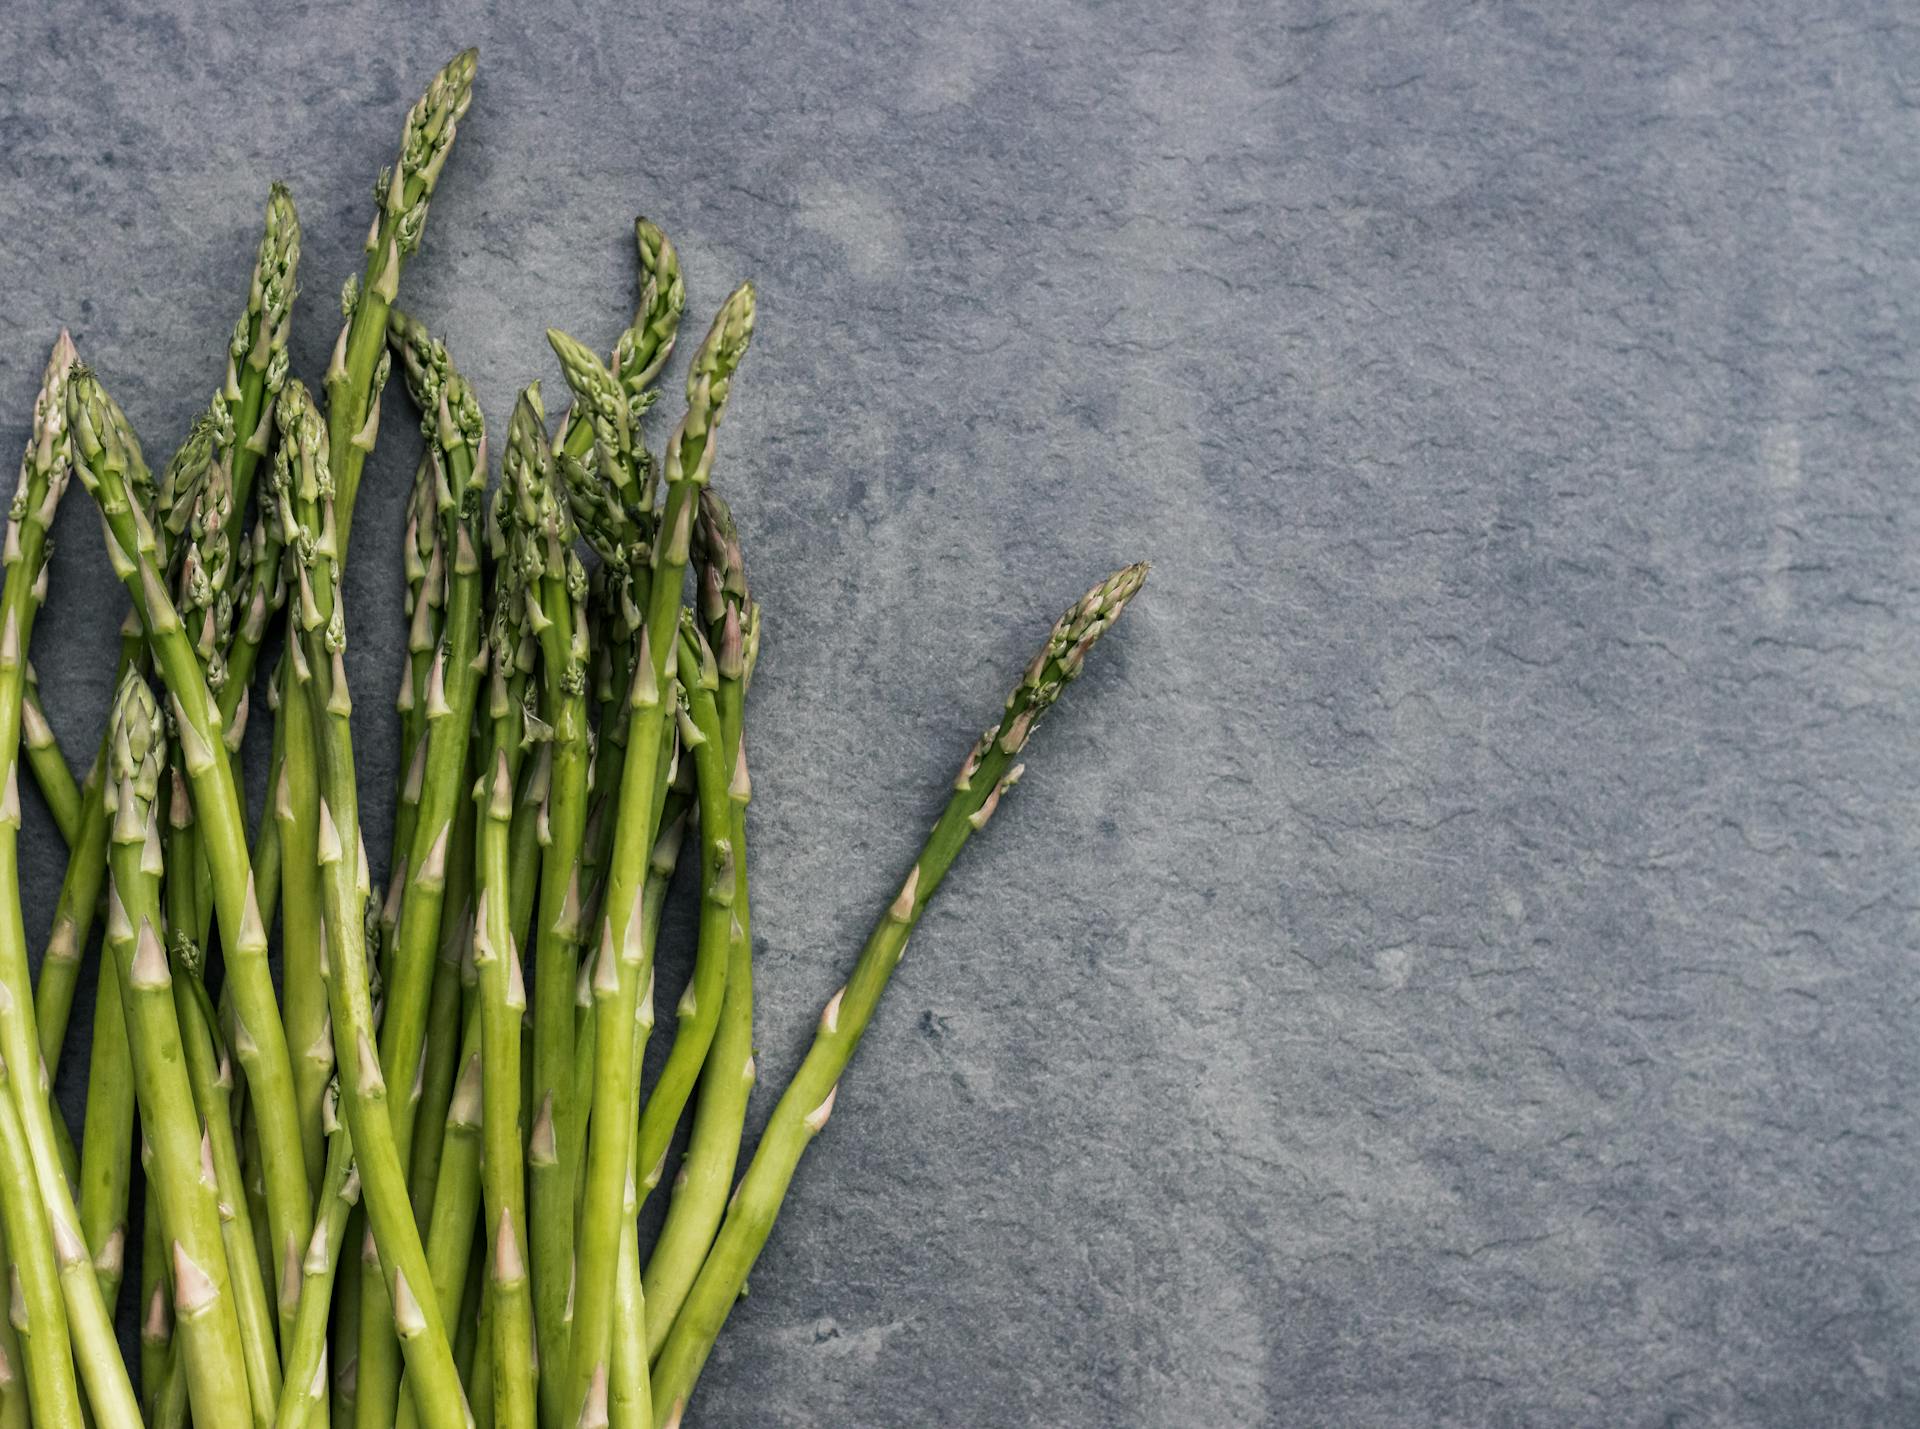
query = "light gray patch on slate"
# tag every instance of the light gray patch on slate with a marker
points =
(1452, 961)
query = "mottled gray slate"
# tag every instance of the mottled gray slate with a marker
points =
(1453, 959)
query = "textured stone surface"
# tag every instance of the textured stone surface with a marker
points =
(1453, 959)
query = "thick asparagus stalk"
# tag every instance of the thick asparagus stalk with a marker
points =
(304, 488)
(43, 476)
(990, 770)
(706, 1174)
(618, 973)
(180, 1174)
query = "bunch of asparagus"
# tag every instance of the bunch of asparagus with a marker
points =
(403, 1186)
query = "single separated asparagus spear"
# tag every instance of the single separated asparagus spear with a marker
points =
(304, 489)
(726, 1083)
(49, 766)
(43, 475)
(618, 974)
(180, 1174)
(803, 1109)
(108, 463)
(533, 525)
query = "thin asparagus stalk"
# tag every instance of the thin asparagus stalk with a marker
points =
(210, 1074)
(49, 766)
(304, 487)
(73, 918)
(15, 1411)
(156, 1305)
(445, 1026)
(181, 1174)
(449, 684)
(529, 524)
(257, 351)
(990, 770)
(106, 1145)
(706, 1173)
(619, 973)
(108, 463)
(557, 593)
(303, 1389)
(39, 1314)
(629, 1391)
(699, 1011)
(403, 194)
(43, 476)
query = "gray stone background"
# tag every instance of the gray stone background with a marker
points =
(1452, 961)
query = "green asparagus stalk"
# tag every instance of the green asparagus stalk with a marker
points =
(303, 1388)
(181, 1174)
(556, 602)
(402, 196)
(43, 476)
(106, 1144)
(990, 770)
(257, 351)
(618, 973)
(156, 1305)
(48, 765)
(531, 523)
(304, 488)
(726, 1082)
(426, 608)
(108, 463)
(699, 1011)
(39, 1315)
(210, 1074)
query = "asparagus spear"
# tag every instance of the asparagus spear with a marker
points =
(44, 472)
(556, 600)
(532, 522)
(303, 1388)
(618, 972)
(49, 766)
(699, 1010)
(304, 488)
(257, 351)
(39, 1316)
(403, 193)
(108, 463)
(990, 770)
(181, 1175)
(726, 1083)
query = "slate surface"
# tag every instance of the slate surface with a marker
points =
(1452, 961)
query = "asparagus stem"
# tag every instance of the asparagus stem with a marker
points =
(49, 766)
(449, 683)
(699, 1010)
(618, 973)
(403, 193)
(726, 1083)
(44, 472)
(556, 600)
(445, 1026)
(156, 1305)
(39, 1314)
(210, 1074)
(296, 816)
(73, 918)
(181, 1173)
(106, 1147)
(257, 352)
(304, 487)
(808, 1100)
(530, 521)
(108, 462)
(14, 1408)
(303, 1389)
